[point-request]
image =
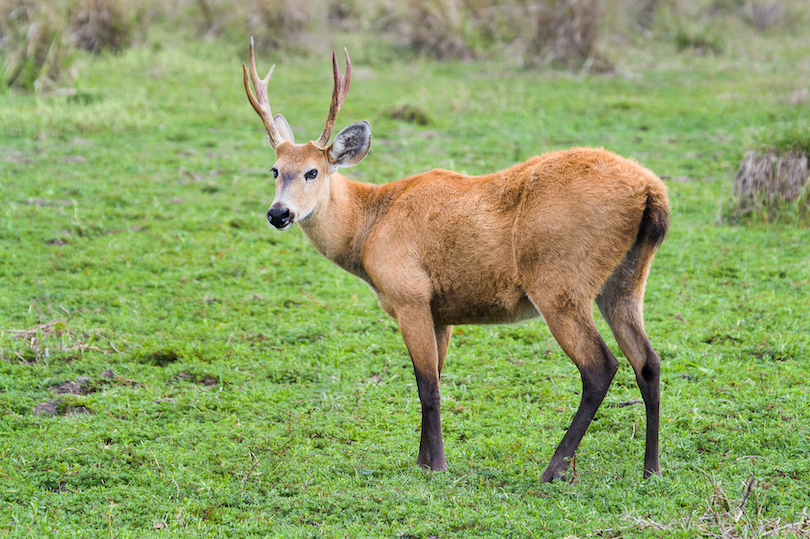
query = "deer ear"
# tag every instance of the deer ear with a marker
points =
(350, 145)
(284, 128)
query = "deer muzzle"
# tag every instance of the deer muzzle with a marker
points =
(280, 216)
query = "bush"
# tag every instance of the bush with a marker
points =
(563, 32)
(440, 29)
(283, 21)
(701, 40)
(38, 37)
(97, 25)
(566, 31)
(765, 14)
(276, 21)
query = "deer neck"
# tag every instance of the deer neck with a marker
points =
(336, 227)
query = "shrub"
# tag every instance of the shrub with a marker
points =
(37, 37)
(439, 29)
(291, 25)
(563, 32)
(566, 31)
(97, 25)
(700, 40)
(764, 14)
(284, 21)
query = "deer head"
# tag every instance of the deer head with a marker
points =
(303, 172)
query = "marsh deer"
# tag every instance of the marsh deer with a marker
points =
(546, 237)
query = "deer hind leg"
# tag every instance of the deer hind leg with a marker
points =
(570, 320)
(420, 336)
(620, 302)
(443, 334)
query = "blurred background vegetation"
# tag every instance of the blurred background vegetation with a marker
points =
(41, 41)
(40, 38)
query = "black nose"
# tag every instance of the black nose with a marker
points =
(279, 217)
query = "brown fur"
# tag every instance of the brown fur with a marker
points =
(559, 230)
(549, 236)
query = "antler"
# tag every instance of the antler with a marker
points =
(338, 97)
(260, 102)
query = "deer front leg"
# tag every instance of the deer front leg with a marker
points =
(419, 334)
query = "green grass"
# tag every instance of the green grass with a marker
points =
(258, 391)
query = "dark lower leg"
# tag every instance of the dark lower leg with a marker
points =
(649, 380)
(423, 459)
(596, 380)
(431, 446)
(625, 321)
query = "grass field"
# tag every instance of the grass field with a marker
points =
(236, 384)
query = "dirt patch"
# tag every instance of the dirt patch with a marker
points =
(68, 388)
(67, 403)
(204, 379)
(160, 358)
(57, 407)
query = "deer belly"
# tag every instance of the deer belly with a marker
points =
(455, 308)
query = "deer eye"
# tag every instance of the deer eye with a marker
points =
(311, 174)
(275, 172)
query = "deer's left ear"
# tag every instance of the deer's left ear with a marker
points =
(350, 145)
(284, 128)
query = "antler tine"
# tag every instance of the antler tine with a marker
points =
(339, 92)
(261, 102)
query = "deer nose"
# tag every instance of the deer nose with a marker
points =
(279, 217)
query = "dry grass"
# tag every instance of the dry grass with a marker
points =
(560, 32)
(288, 21)
(727, 517)
(98, 25)
(439, 29)
(765, 14)
(34, 43)
(771, 184)
(730, 518)
(42, 340)
(567, 31)
(276, 23)
(38, 37)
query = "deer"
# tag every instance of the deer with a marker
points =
(545, 238)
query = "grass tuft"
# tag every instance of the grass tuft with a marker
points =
(701, 40)
(410, 114)
(772, 182)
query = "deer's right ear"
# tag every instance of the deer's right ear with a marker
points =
(284, 128)
(351, 145)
